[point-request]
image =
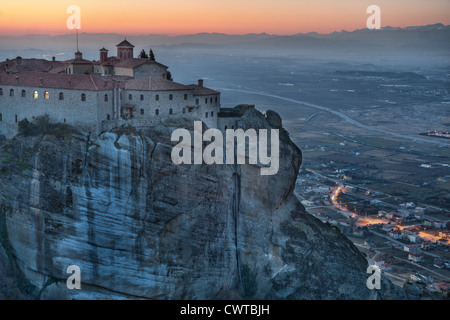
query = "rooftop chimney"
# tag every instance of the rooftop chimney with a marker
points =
(200, 82)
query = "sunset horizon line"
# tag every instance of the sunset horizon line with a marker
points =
(218, 32)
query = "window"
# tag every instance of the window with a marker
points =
(61, 96)
(185, 96)
(170, 111)
(197, 101)
(142, 112)
(11, 93)
(216, 99)
(108, 117)
(171, 97)
(184, 110)
(212, 113)
(24, 94)
(142, 97)
(206, 100)
(130, 97)
(106, 98)
(35, 95)
(46, 96)
(156, 112)
(16, 118)
(83, 97)
(157, 97)
(226, 127)
(1, 91)
(206, 114)
(210, 100)
(1, 117)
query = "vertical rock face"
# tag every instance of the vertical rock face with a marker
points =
(139, 226)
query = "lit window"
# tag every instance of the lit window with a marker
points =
(35, 95)
(24, 94)
(46, 96)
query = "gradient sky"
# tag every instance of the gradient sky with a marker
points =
(227, 16)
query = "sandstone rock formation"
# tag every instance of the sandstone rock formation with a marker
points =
(139, 226)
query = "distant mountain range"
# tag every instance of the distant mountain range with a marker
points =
(433, 38)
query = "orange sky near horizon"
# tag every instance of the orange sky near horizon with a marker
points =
(227, 16)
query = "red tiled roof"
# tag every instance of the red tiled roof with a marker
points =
(125, 43)
(55, 80)
(202, 91)
(30, 65)
(154, 84)
(131, 62)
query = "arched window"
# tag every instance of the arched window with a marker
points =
(108, 117)
(142, 112)
(1, 91)
(11, 93)
(106, 98)
(130, 97)
(24, 94)
(171, 97)
(46, 95)
(35, 94)
(157, 97)
(197, 101)
(156, 112)
(185, 96)
(83, 97)
(61, 96)
(142, 97)
(170, 111)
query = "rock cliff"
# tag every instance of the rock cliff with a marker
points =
(139, 226)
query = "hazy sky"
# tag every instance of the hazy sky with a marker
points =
(227, 16)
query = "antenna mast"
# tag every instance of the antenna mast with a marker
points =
(77, 38)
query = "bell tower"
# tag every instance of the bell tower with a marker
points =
(124, 50)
